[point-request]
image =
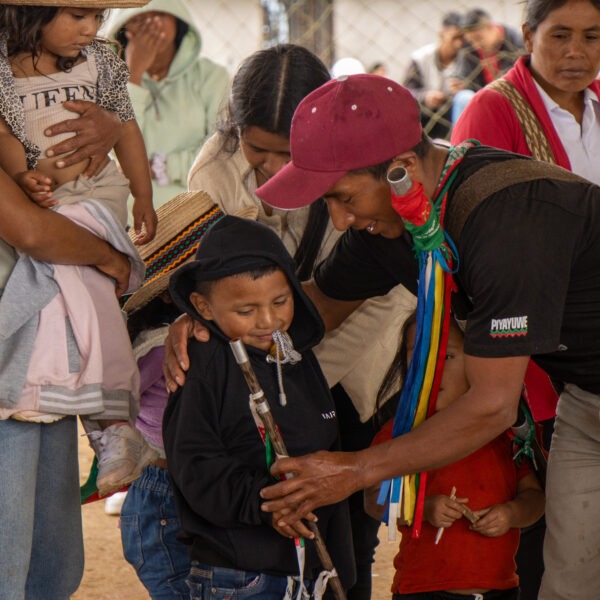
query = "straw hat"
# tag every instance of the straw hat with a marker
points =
(182, 221)
(80, 3)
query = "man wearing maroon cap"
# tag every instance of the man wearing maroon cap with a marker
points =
(528, 285)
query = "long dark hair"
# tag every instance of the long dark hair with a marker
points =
(396, 373)
(265, 92)
(536, 11)
(23, 27)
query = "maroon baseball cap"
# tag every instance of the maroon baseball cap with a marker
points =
(349, 123)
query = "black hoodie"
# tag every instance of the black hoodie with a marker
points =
(215, 455)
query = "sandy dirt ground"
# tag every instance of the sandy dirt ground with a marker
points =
(108, 576)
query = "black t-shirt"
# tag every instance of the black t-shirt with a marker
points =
(529, 265)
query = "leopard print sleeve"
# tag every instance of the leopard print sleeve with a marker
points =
(113, 76)
(11, 109)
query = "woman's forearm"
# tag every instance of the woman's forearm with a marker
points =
(48, 236)
(44, 234)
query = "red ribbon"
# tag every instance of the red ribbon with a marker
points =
(414, 206)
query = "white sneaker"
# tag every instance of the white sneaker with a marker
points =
(122, 456)
(113, 504)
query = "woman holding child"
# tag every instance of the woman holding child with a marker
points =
(39, 495)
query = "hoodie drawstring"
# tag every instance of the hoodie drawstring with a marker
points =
(283, 346)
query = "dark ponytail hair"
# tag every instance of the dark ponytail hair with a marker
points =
(23, 27)
(268, 87)
(389, 390)
(265, 92)
(536, 11)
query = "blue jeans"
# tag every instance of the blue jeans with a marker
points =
(41, 541)
(215, 583)
(149, 525)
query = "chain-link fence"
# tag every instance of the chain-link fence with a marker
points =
(372, 31)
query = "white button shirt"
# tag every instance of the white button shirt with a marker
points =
(581, 142)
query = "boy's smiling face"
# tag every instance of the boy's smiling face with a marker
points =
(247, 308)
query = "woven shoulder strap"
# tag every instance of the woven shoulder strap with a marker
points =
(492, 178)
(530, 126)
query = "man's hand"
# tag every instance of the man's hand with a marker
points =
(177, 361)
(37, 186)
(319, 479)
(97, 131)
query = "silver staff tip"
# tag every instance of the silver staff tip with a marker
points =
(239, 350)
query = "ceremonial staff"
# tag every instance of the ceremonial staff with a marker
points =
(262, 409)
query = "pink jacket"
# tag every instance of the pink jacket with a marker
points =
(81, 362)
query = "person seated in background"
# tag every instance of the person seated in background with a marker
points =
(428, 76)
(490, 50)
(169, 79)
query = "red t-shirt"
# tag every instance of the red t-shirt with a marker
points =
(463, 559)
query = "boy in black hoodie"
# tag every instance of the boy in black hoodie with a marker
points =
(242, 285)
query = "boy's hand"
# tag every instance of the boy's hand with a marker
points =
(144, 220)
(37, 186)
(442, 511)
(493, 521)
(297, 529)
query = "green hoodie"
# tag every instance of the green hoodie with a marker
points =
(177, 113)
